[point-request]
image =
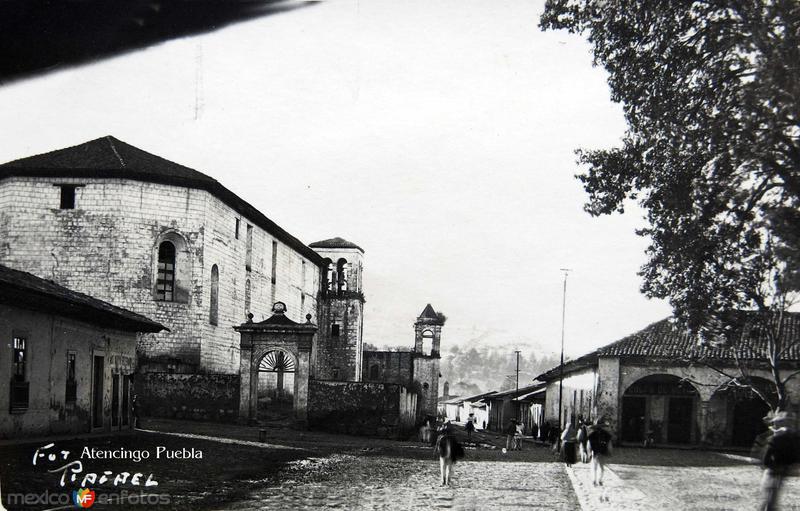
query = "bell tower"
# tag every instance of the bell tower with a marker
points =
(427, 343)
(338, 349)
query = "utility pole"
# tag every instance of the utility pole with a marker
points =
(561, 367)
(516, 395)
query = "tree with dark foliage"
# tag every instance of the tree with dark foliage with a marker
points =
(711, 95)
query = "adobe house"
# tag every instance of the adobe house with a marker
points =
(68, 359)
(646, 385)
(522, 404)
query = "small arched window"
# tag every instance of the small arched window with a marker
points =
(341, 275)
(165, 281)
(374, 372)
(213, 313)
(330, 275)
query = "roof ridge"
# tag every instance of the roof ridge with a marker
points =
(110, 141)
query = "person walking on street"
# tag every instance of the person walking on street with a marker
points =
(518, 436)
(582, 435)
(782, 450)
(568, 444)
(469, 427)
(511, 430)
(598, 442)
(449, 451)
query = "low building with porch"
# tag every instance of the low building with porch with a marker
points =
(469, 408)
(70, 359)
(650, 385)
(517, 404)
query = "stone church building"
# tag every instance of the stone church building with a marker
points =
(174, 245)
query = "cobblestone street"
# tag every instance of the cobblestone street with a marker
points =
(399, 481)
(639, 479)
(361, 473)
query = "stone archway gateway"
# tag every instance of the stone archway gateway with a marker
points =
(276, 345)
(276, 386)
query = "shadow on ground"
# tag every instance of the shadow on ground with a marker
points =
(38, 36)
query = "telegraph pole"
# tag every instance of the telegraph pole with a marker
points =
(561, 367)
(517, 387)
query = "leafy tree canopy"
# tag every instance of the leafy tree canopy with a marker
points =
(711, 95)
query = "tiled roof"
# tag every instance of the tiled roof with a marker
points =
(21, 289)
(107, 154)
(668, 339)
(453, 401)
(108, 157)
(478, 397)
(336, 243)
(517, 392)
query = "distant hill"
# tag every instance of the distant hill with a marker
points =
(473, 368)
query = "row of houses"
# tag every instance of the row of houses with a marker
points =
(494, 410)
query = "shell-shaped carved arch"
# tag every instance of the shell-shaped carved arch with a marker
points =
(277, 361)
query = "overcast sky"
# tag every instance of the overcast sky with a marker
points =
(438, 135)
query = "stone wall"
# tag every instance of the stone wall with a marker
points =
(368, 409)
(107, 247)
(390, 366)
(213, 397)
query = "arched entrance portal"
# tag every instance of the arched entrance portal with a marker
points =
(274, 368)
(738, 413)
(276, 386)
(660, 406)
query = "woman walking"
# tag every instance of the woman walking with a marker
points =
(582, 437)
(449, 451)
(568, 444)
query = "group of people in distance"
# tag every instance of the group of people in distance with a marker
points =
(778, 448)
(591, 441)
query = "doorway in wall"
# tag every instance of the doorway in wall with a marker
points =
(276, 387)
(98, 372)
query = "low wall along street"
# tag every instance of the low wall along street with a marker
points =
(212, 397)
(371, 409)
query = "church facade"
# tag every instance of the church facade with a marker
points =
(173, 244)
